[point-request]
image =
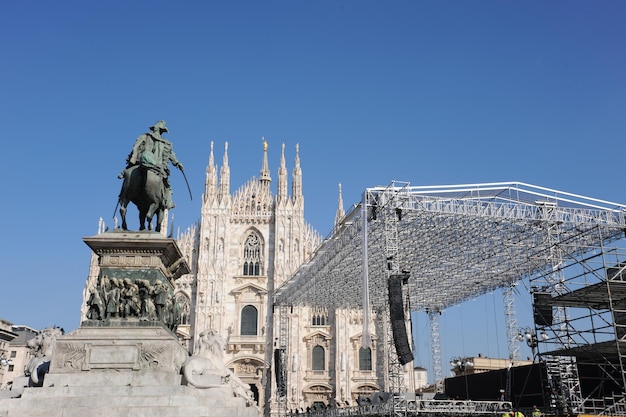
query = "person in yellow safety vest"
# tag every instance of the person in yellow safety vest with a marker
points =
(536, 412)
(517, 414)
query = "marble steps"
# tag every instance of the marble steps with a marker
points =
(115, 401)
(183, 411)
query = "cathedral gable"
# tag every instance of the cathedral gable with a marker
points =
(249, 292)
(357, 339)
(318, 338)
(253, 203)
(248, 365)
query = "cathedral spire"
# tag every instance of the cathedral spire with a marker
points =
(282, 177)
(340, 211)
(296, 182)
(225, 175)
(210, 186)
(265, 171)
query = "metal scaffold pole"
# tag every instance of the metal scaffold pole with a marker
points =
(511, 321)
(280, 360)
(435, 343)
(394, 367)
(511, 333)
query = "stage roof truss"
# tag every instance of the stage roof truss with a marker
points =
(457, 242)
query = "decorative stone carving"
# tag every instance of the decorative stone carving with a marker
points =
(206, 368)
(72, 354)
(42, 345)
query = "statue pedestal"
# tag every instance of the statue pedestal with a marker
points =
(138, 254)
(136, 279)
(125, 360)
(127, 355)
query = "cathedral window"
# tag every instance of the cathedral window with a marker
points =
(365, 359)
(252, 251)
(249, 321)
(319, 320)
(319, 316)
(318, 356)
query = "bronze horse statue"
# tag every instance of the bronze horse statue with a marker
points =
(145, 189)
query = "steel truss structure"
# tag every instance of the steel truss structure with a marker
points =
(418, 407)
(458, 242)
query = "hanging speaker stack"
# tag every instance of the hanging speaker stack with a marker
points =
(542, 308)
(398, 322)
(279, 369)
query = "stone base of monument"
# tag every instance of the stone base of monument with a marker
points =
(125, 360)
(141, 353)
(122, 371)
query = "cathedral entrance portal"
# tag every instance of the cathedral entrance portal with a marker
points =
(250, 371)
(317, 397)
(255, 392)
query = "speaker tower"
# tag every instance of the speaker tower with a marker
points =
(542, 308)
(398, 322)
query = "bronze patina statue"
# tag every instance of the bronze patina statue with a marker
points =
(146, 177)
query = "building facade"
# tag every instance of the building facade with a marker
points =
(17, 355)
(246, 245)
(6, 360)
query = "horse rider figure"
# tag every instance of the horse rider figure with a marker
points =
(153, 152)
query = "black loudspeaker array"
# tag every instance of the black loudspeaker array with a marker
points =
(542, 308)
(396, 314)
(279, 369)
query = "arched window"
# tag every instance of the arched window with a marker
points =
(249, 318)
(252, 252)
(318, 358)
(319, 320)
(365, 359)
(319, 316)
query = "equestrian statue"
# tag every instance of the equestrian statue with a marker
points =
(146, 177)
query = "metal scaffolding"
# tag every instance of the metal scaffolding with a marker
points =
(462, 241)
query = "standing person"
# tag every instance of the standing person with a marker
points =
(113, 299)
(153, 152)
(96, 305)
(160, 296)
(536, 412)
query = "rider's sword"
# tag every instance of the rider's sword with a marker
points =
(116, 206)
(187, 182)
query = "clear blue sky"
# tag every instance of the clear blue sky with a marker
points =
(428, 92)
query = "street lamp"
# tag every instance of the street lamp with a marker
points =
(461, 364)
(5, 362)
(529, 335)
